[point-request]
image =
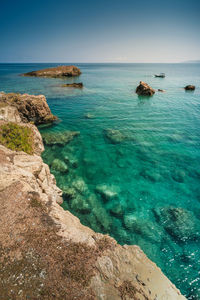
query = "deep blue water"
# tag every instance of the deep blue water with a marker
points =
(152, 177)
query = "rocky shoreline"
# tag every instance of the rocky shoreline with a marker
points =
(46, 253)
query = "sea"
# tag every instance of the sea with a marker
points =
(133, 170)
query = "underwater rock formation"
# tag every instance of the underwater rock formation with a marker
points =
(144, 89)
(78, 85)
(56, 72)
(59, 138)
(59, 166)
(107, 192)
(89, 116)
(189, 87)
(114, 136)
(25, 108)
(179, 223)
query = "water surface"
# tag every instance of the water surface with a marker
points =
(154, 169)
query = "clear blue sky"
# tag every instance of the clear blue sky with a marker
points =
(99, 31)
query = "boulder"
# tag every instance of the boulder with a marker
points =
(30, 108)
(78, 85)
(57, 72)
(190, 87)
(144, 89)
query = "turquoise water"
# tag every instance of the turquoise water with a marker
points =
(130, 189)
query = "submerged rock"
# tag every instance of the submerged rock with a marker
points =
(144, 89)
(59, 166)
(89, 116)
(80, 185)
(68, 192)
(59, 138)
(189, 87)
(151, 175)
(179, 176)
(141, 227)
(117, 209)
(107, 192)
(114, 136)
(78, 85)
(179, 223)
(80, 204)
(57, 72)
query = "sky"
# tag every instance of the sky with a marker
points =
(99, 31)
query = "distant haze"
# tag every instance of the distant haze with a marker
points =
(99, 31)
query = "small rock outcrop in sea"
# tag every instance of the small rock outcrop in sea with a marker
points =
(189, 87)
(179, 223)
(25, 108)
(56, 72)
(114, 136)
(59, 138)
(160, 90)
(144, 89)
(78, 85)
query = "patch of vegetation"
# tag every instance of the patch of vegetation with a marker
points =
(16, 137)
(127, 289)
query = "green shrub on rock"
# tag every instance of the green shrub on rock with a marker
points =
(16, 137)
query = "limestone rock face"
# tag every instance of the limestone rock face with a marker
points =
(144, 89)
(190, 87)
(25, 108)
(57, 72)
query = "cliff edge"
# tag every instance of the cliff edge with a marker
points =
(46, 253)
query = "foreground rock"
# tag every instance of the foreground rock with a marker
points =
(190, 87)
(144, 89)
(78, 85)
(25, 108)
(56, 72)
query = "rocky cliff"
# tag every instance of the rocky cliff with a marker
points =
(25, 108)
(46, 253)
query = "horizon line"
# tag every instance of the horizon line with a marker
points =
(107, 62)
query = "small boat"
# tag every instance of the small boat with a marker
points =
(161, 75)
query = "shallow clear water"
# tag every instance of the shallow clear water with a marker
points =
(156, 166)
